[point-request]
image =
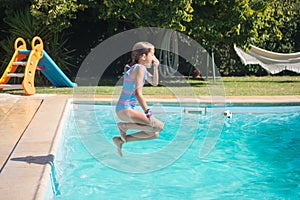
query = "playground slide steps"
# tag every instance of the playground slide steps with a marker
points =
(21, 63)
(17, 75)
(11, 86)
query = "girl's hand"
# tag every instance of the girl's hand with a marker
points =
(155, 61)
(148, 113)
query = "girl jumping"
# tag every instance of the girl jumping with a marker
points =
(135, 75)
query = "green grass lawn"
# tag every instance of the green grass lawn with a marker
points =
(229, 86)
(262, 86)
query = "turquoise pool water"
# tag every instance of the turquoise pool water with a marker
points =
(254, 155)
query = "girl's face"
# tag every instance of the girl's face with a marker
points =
(147, 59)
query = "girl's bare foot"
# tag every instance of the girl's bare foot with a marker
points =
(122, 128)
(118, 142)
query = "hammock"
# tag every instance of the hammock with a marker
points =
(271, 61)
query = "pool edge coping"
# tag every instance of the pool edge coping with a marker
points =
(46, 175)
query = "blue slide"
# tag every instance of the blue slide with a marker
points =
(54, 73)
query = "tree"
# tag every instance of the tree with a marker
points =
(242, 22)
(214, 24)
(19, 22)
(141, 13)
(220, 24)
(56, 14)
(269, 24)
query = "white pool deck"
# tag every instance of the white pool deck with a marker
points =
(30, 131)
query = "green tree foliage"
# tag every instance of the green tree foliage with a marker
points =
(220, 24)
(215, 24)
(240, 21)
(21, 23)
(57, 14)
(150, 12)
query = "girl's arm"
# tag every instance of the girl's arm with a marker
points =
(139, 81)
(153, 79)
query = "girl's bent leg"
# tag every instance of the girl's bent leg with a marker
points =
(153, 126)
(138, 136)
(142, 135)
(147, 129)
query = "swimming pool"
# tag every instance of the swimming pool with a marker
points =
(254, 154)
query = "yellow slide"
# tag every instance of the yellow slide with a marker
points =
(19, 60)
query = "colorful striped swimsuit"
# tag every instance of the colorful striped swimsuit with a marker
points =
(127, 98)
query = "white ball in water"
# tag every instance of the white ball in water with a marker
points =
(227, 113)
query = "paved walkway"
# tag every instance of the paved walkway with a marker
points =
(29, 133)
(28, 127)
